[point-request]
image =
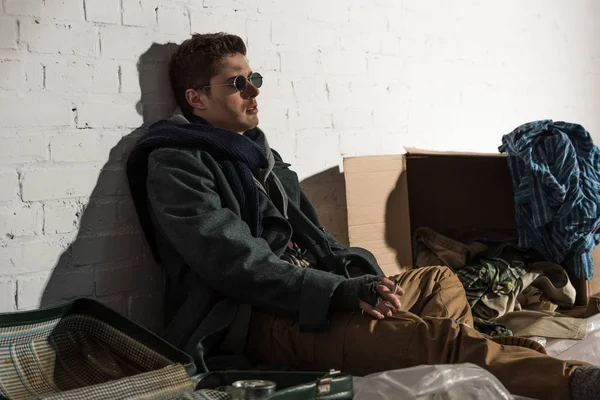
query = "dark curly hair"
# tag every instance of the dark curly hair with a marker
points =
(197, 60)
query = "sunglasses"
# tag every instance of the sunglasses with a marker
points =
(241, 82)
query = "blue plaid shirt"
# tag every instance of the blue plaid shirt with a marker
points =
(555, 169)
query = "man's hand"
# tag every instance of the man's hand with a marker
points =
(388, 300)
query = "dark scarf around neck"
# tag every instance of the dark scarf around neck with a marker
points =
(237, 154)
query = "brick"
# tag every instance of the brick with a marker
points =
(146, 310)
(114, 47)
(354, 40)
(395, 114)
(390, 44)
(100, 249)
(272, 116)
(61, 217)
(137, 13)
(354, 142)
(77, 39)
(266, 60)
(107, 11)
(37, 255)
(365, 92)
(309, 91)
(380, 65)
(319, 35)
(7, 296)
(277, 90)
(127, 216)
(112, 182)
(227, 4)
(34, 76)
(102, 216)
(8, 33)
(9, 182)
(115, 113)
(84, 146)
(328, 11)
(306, 167)
(99, 216)
(282, 142)
(82, 76)
(106, 77)
(352, 118)
(301, 64)
(24, 221)
(129, 77)
(342, 62)
(154, 112)
(68, 77)
(295, 9)
(258, 33)
(9, 257)
(368, 18)
(116, 303)
(64, 9)
(154, 81)
(30, 8)
(128, 143)
(57, 183)
(393, 143)
(328, 148)
(12, 75)
(30, 291)
(278, 87)
(128, 277)
(173, 19)
(214, 21)
(22, 148)
(338, 89)
(62, 285)
(310, 117)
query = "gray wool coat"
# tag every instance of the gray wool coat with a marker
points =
(217, 272)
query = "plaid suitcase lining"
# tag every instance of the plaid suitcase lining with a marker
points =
(74, 352)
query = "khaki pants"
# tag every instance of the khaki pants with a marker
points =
(435, 327)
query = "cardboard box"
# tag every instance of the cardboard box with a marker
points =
(390, 196)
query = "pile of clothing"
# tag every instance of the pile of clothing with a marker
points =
(555, 170)
(498, 277)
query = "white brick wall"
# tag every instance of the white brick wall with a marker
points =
(342, 77)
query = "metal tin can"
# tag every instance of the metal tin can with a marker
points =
(252, 389)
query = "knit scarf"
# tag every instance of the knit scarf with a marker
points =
(237, 154)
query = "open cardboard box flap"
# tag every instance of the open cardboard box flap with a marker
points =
(389, 196)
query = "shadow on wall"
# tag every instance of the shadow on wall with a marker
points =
(109, 259)
(327, 191)
(397, 225)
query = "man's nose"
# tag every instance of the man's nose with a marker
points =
(251, 91)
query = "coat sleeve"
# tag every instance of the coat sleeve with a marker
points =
(217, 244)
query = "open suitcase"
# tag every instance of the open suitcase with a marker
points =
(84, 350)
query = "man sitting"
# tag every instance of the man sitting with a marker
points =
(252, 275)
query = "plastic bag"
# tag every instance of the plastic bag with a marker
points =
(432, 382)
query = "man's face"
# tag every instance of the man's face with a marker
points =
(226, 107)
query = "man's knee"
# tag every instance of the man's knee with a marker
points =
(439, 273)
(426, 274)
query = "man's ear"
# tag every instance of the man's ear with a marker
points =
(197, 99)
